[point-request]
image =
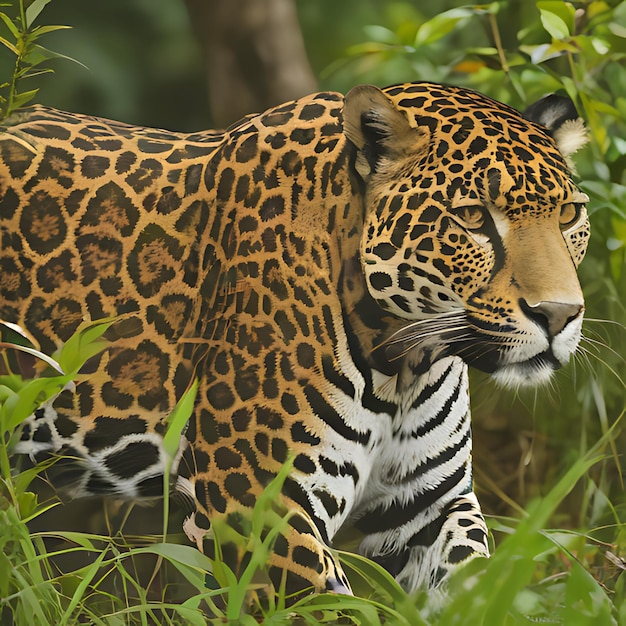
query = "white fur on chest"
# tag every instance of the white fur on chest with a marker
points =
(393, 450)
(417, 433)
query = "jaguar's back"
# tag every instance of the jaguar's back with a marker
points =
(326, 269)
(101, 219)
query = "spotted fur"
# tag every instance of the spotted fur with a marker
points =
(327, 269)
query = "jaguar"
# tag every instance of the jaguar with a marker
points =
(327, 270)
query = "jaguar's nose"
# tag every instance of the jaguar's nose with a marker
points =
(553, 317)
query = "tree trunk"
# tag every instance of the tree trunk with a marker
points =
(255, 55)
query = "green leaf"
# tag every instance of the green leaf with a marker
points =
(10, 25)
(185, 555)
(38, 54)
(85, 343)
(7, 44)
(33, 11)
(36, 353)
(27, 503)
(23, 480)
(5, 393)
(20, 99)
(586, 602)
(442, 24)
(380, 34)
(89, 542)
(382, 581)
(510, 569)
(88, 574)
(31, 74)
(32, 395)
(368, 47)
(177, 420)
(557, 18)
(547, 51)
(555, 26)
(49, 28)
(13, 381)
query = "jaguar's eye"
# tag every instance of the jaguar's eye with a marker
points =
(570, 214)
(470, 217)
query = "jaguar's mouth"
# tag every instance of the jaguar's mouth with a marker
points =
(508, 372)
(506, 357)
(530, 373)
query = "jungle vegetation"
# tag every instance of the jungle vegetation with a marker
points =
(548, 463)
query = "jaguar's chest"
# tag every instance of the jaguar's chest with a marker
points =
(405, 430)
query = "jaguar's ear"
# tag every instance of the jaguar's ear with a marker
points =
(559, 116)
(376, 127)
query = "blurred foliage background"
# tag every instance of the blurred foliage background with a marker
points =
(144, 63)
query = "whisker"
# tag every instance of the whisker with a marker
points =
(581, 357)
(603, 321)
(551, 390)
(589, 354)
(423, 334)
(443, 319)
(409, 337)
(599, 344)
(479, 347)
(585, 359)
(492, 333)
(589, 332)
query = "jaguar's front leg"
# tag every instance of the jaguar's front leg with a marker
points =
(280, 532)
(429, 556)
(462, 537)
(421, 518)
(454, 537)
(299, 560)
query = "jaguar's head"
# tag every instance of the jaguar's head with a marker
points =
(473, 227)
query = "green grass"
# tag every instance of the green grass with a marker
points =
(536, 574)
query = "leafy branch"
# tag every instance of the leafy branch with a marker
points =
(30, 57)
